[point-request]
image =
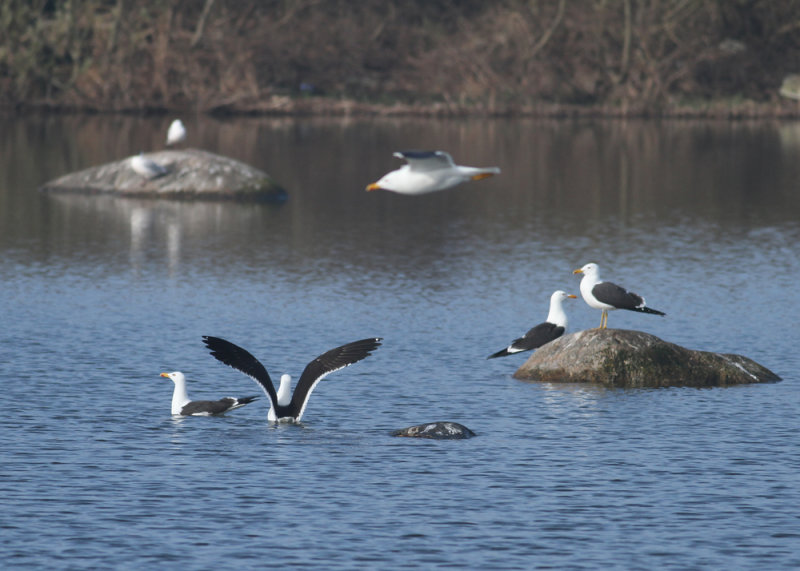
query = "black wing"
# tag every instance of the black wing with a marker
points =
(208, 406)
(241, 360)
(538, 336)
(533, 339)
(327, 363)
(619, 297)
(614, 295)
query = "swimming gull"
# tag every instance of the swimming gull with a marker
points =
(182, 405)
(286, 406)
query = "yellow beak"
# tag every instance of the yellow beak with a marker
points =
(578, 271)
(164, 375)
(481, 176)
(572, 296)
(373, 186)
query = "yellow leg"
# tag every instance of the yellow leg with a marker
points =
(604, 320)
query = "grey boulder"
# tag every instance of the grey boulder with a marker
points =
(634, 359)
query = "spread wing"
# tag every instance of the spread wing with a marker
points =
(241, 360)
(326, 364)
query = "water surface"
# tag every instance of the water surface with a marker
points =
(100, 295)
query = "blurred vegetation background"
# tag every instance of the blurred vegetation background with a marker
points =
(628, 57)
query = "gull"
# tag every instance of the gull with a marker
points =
(176, 132)
(286, 406)
(181, 405)
(147, 167)
(608, 296)
(543, 333)
(428, 171)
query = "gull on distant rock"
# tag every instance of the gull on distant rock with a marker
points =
(181, 405)
(176, 132)
(286, 406)
(428, 171)
(608, 296)
(543, 333)
(147, 167)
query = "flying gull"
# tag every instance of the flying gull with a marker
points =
(183, 406)
(543, 333)
(428, 171)
(176, 132)
(286, 406)
(147, 167)
(607, 296)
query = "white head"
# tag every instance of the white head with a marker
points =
(591, 270)
(179, 395)
(177, 377)
(559, 296)
(557, 314)
(396, 181)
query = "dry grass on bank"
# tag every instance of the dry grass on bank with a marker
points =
(438, 57)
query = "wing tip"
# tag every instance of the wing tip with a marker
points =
(501, 353)
(417, 154)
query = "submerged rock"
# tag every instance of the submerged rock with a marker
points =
(189, 173)
(437, 430)
(623, 358)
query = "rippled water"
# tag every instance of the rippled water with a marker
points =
(100, 295)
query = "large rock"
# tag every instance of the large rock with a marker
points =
(791, 86)
(191, 173)
(436, 430)
(622, 358)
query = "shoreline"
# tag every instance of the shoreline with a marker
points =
(315, 106)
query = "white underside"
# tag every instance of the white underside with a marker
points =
(180, 398)
(556, 315)
(587, 283)
(407, 181)
(284, 398)
(176, 132)
(145, 167)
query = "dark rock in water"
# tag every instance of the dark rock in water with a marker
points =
(622, 358)
(191, 174)
(437, 430)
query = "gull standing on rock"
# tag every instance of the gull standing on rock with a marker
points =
(428, 171)
(176, 132)
(608, 296)
(147, 167)
(543, 333)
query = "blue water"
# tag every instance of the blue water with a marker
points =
(101, 295)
